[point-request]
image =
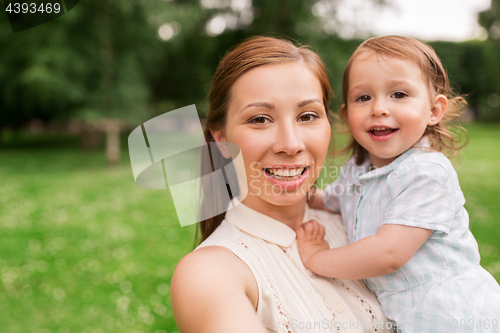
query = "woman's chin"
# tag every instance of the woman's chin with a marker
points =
(290, 200)
(281, 198)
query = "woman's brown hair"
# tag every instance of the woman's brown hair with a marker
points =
(410, 49)
(251, 53)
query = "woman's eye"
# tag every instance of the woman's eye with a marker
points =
(258, 120)
(399, 94)
(363, 98)
(308, 117)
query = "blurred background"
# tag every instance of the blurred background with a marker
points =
(82, 248)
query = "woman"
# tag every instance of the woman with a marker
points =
(270, 98)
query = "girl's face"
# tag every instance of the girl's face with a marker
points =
(277, 118)
(389, 106)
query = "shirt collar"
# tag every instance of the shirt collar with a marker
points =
(420, 146)
(262, 226)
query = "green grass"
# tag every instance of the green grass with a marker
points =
(479, 175)
(83, 249)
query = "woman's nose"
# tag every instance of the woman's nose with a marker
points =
(379, 109)
(288, 139)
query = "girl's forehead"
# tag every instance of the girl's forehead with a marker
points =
(380, 57)
(400, 68)
(390, 62)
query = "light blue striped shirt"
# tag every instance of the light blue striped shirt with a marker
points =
(419, 189)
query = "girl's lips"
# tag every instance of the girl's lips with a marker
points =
(383, 137)
(288, 184)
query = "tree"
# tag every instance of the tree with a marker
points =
(95, 64)
(490, 20)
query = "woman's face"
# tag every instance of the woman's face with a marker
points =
(277, 118)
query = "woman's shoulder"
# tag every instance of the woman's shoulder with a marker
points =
(217, 254)
(224, 233)
(212, 263)
(206, 262)
(211, 280)
(217, 248)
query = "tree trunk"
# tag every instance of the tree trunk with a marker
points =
(112, 128)
(90, 138)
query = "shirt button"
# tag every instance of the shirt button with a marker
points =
(339, 308)
(309, 272)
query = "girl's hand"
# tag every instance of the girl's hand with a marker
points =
(310, 239)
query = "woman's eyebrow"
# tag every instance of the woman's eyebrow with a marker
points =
(308, 101)
(272, 106)
(259, 104)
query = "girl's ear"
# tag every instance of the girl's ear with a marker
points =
(343, 111)
(438, 109)
(220, 140)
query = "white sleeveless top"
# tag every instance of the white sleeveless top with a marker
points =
(291, 297)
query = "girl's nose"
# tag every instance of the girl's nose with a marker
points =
(288, 140)
(379, 109)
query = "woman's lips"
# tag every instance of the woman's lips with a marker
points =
(383, 135)
(288, 184)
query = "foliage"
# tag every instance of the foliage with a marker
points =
(97, 61)
(469, 65)
(105, 59)
(490, 20)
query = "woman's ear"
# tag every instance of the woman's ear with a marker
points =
(438, 109)
(343, 111)
(220, 140)
(218, 135)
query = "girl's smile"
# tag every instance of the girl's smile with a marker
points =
(382, 133)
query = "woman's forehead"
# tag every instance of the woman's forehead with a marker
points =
(292, 80)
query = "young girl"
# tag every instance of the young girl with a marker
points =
(399, 196)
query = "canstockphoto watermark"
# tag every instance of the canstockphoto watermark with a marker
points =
(483, 323)
(25, 14)
(347, 325)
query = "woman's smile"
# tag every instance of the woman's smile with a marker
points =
(287, 178)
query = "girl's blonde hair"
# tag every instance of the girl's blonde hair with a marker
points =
(410, 49)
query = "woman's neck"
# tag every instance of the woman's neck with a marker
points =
(291, 215)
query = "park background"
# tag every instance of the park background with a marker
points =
(82, 248)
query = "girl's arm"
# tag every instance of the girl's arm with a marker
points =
(380, 254)
(213, 291)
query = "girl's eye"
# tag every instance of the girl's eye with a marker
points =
(399, 94)
(363, 98)
(258, 120)
(308, 117)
